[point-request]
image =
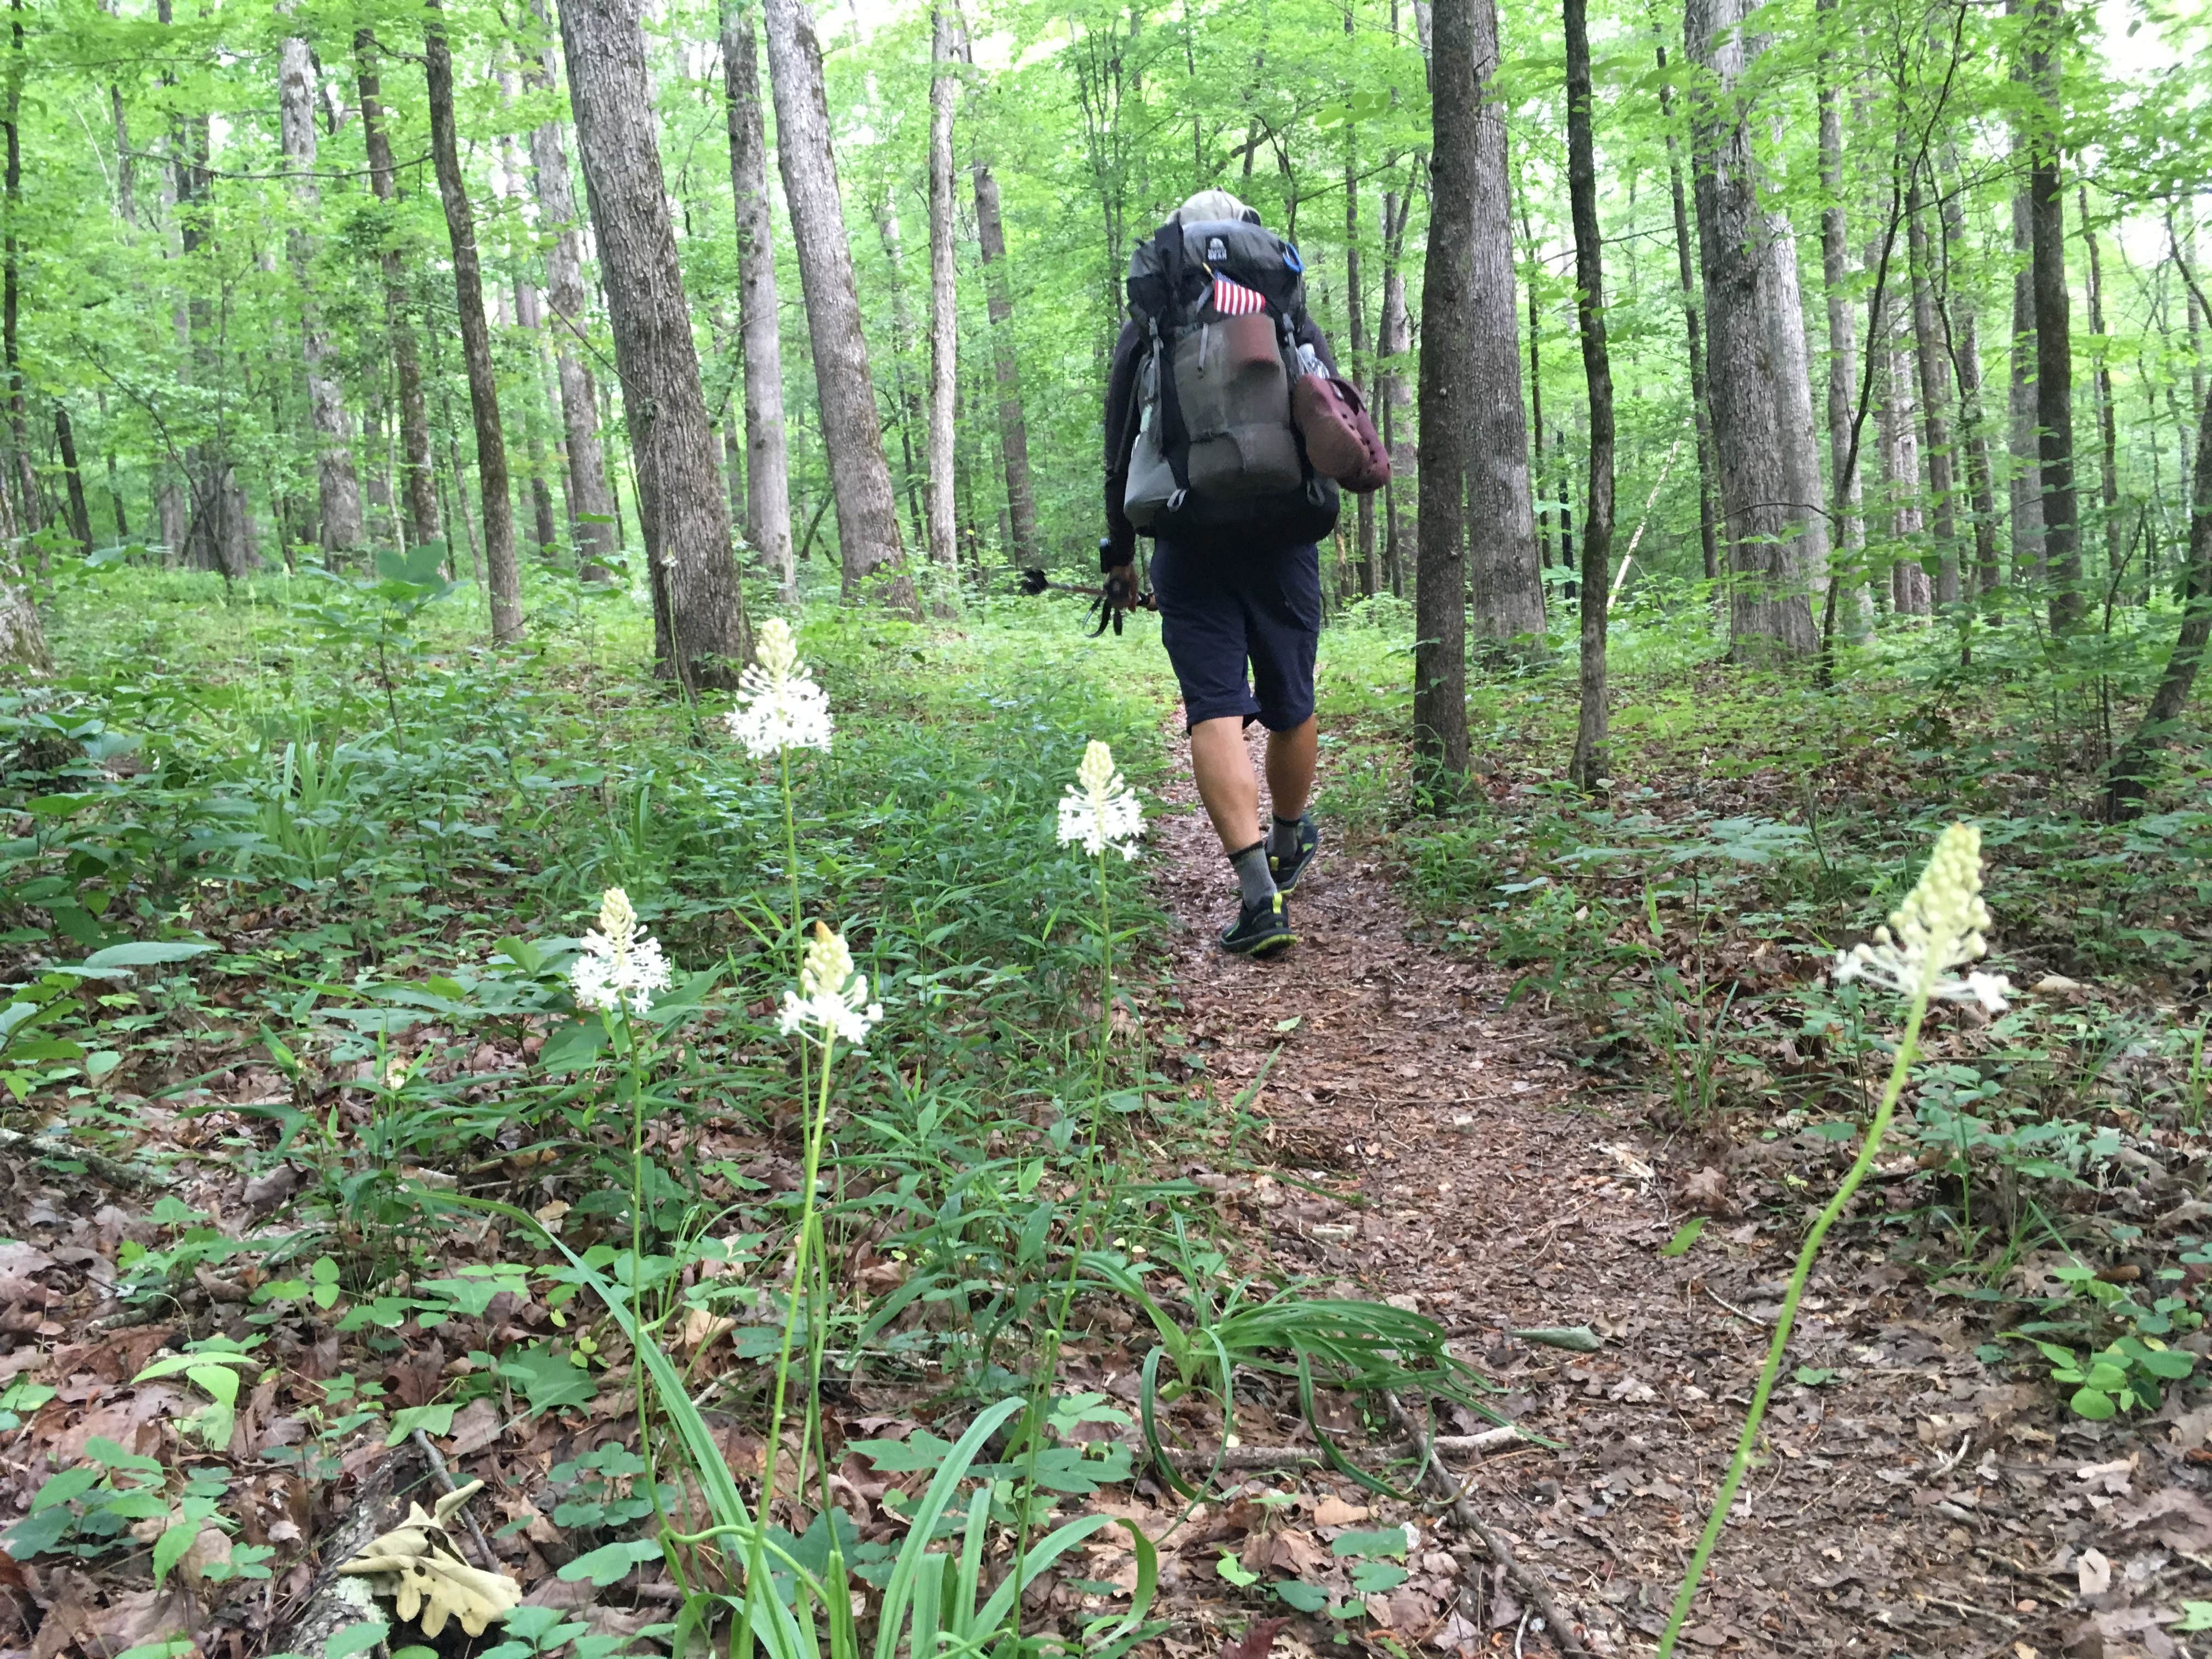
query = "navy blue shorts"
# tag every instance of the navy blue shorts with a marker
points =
(1222, 610)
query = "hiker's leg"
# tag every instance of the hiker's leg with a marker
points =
(1283, 625)
(1291, 759)
(1223, 768)
(1202, 624)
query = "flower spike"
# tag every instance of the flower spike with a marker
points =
(620, 965)
(832, 997)
(1099, 809)
(1941, 925)
(780, 708)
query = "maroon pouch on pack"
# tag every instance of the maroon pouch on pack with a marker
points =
(1341, 441)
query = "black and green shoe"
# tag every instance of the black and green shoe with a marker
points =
(1259, 930)
(1287, 867)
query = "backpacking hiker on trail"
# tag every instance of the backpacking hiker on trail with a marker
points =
(1227, 436)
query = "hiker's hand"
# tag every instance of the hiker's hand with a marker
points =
(1117, 596)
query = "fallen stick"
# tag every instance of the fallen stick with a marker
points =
(1530, 1583)
(113, 1170)
(445, 1478)
(1285, 1457)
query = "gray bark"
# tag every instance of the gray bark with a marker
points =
(337, 487)
(681, 507)
(1842, 345)
(1898, 437)
(2108, 469)
(1449, 394)
(1505, 581)
(591, 504)
(1776, 538)
(868, 516)
(1394, 398)
(2131, 768)
(944, 313)
(1963, 337)
(1587, 767)
(418, 471)
(503, 579)
(903, 402)
(2054, 342)
(767, 458)
(1693, 328)
(1935, 391)
(2025, 488)
(1021, 546)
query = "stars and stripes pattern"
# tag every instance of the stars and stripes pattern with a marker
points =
(1234, 300)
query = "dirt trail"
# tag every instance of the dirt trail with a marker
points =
(1914, 1502)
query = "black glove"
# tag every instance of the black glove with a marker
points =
(1117, 597)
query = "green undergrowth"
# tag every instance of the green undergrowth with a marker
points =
(294, 873)
(1683, 929)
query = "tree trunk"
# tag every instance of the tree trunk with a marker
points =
(1776, 538)
(903, 397)
(867, 516)
(591, 502)
(1449, 397)
(2025, 488)
(2130, 774)
(767, 458)
(502, 577)
(1845, 470)
(1505, 584)
(1895, 409)
(1963, 337)
(679, 487)
(1359, 367)
(2108, 453)
(80, 514)
(1934, 425)
(1587, 768)
(1393, 398)
(418, 471)
(1701, 400)
(2054, 345)
(20, 623)
(1538, 470)
(1006, 369)
(944, 311)
(337, 487)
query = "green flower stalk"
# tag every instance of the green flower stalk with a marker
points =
(1939, 927)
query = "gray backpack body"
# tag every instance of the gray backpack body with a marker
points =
(1216, 457)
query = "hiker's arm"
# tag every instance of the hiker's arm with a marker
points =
(1120, 547)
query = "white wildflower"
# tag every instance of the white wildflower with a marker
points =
(620, 966)
(780, 707)
(832, 995)
(1099, 810)
(1939, 927)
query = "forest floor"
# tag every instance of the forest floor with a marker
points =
(1410, 1107)
(1908, 1499)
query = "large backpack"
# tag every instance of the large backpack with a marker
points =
(1217, 457)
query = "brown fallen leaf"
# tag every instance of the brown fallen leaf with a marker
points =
(1706, 1192)
(1256, 1642)
(1334, 1511)
(475, 1426)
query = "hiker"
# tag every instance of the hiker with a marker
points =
(1226, 430)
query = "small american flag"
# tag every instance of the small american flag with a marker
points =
(1234, 300)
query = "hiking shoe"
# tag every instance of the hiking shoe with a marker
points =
(1260, 929)
(1286, 868)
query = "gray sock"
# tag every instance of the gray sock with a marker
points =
(1252, 874)
(1283, 839)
